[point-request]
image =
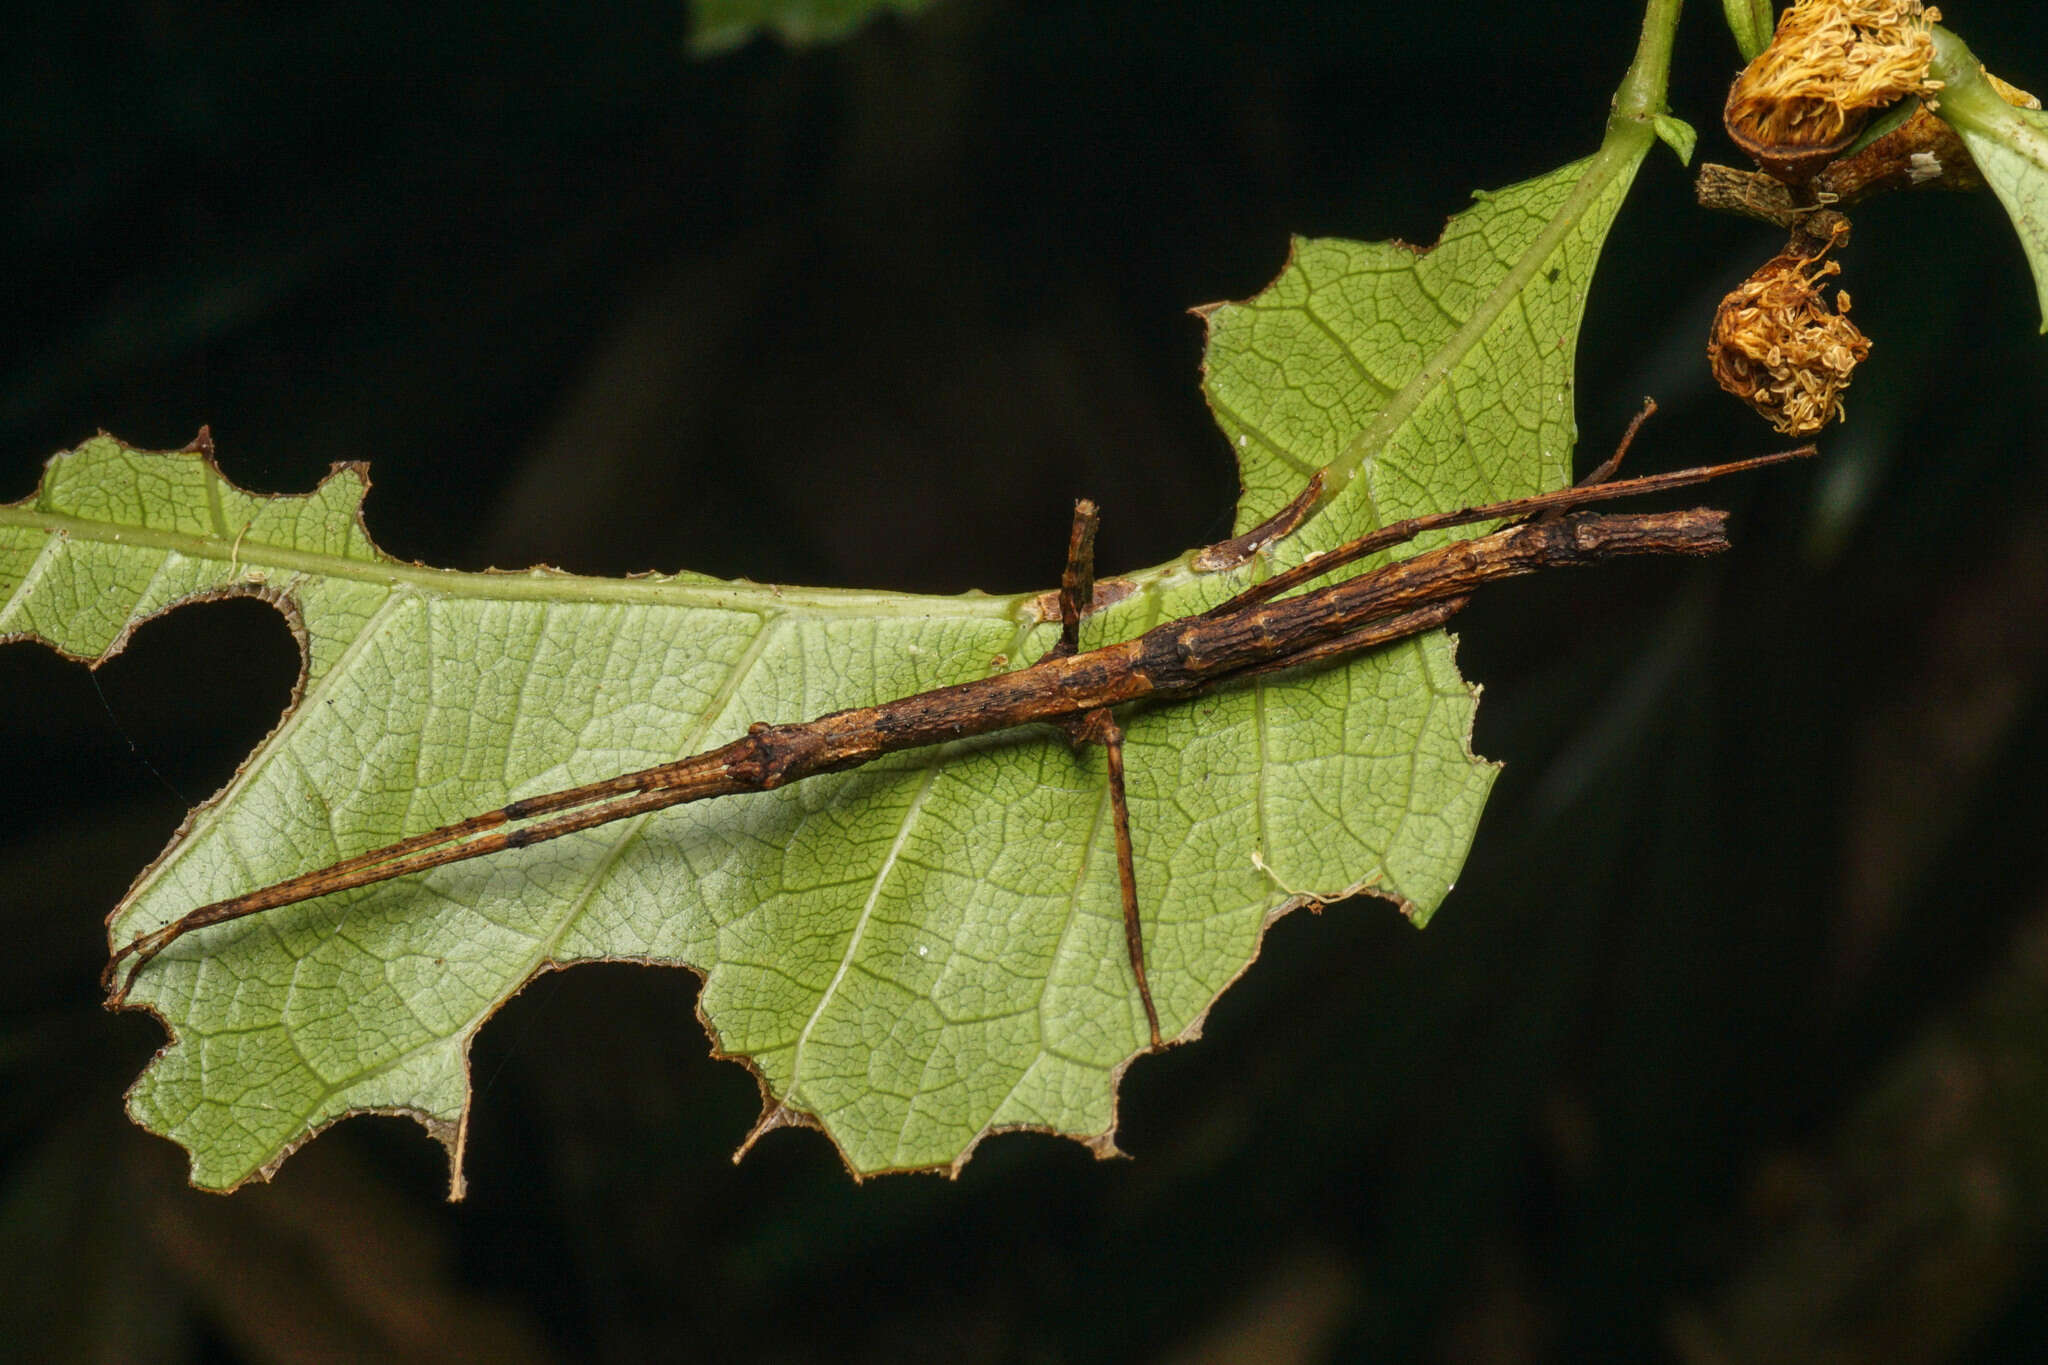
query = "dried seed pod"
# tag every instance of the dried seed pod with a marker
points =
(1831, 64)
(1777, 344)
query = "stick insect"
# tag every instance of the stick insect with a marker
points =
(1260, 631)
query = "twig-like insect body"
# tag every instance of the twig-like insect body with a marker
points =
(1260, 631)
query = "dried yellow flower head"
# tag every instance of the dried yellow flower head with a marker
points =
(1777, 344)
(1831, 64)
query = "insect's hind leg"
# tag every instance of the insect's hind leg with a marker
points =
(1077, 591)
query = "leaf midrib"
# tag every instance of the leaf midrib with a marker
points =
(526, 585)
(1619, 155)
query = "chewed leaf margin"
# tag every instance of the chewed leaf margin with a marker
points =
(92, 637)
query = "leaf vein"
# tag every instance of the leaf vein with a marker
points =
(860, 926)
(53, 544)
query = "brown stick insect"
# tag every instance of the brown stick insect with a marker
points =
(1261, 630)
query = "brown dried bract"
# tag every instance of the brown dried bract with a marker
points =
(1831, 64)
(1921, 153)
(1776, 343)
(2012, 94)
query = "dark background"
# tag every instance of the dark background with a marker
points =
(1732, 1043)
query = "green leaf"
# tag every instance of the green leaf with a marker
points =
(1676, 134)
(910, 956)
(2008, 143)
(1752, 23)
(720, 25)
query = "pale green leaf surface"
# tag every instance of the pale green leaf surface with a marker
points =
(2009, 145)
(912, 955)
(1416, 380)
(718, 25)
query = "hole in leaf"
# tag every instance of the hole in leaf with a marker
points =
(196, 689)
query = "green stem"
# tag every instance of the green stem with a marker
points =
(1967, 98)
(1642, 92)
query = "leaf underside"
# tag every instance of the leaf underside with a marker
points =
(909, 956)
